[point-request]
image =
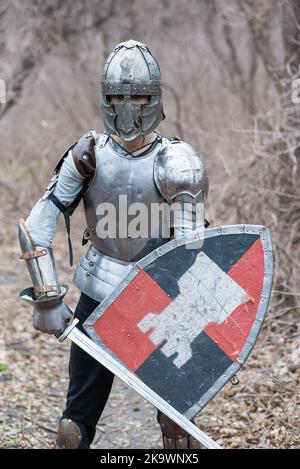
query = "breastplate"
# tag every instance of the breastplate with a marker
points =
(112, 204)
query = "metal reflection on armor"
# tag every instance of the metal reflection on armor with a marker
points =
(40, 264)
(97, 274)
(179, 170)
(50, 314)
(131, 70)
(119, 177)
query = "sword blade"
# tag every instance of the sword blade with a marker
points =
(135, 383)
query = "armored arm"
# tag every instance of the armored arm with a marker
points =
(40, 264)
(50, 314)
(181, 178)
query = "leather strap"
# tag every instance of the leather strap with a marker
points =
(67, 212)
(45, 288)
(33, 254)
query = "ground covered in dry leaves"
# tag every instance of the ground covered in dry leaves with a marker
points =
(262, 411)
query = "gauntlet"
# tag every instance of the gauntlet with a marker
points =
(50, 314)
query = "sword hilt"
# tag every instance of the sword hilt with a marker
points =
(67, 330)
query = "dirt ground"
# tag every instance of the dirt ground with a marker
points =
(262, 411)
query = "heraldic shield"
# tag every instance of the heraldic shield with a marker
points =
(186, 317)
(184, 320)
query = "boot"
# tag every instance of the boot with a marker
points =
(68, 435)
(174, 437)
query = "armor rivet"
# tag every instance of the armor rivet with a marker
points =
(91, 263)
(88, 273)
(94, 254)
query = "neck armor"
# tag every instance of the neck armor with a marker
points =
(131, 70)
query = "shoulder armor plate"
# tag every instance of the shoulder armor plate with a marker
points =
(179, 169)
(84, 155)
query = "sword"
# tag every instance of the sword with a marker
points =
(103, 357)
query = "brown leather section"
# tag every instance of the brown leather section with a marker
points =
(33, 254)
(45, 288)
(170, 429)
(84, 156)
(174, 437)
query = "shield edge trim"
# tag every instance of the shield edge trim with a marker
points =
(264, 234)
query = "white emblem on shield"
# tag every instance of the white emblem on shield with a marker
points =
(207, 294)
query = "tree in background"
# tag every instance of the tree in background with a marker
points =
(228, 69)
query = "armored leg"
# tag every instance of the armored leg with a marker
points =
(174, 437)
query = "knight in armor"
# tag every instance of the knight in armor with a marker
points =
(130, 161)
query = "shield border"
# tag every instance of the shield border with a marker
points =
(260, 314)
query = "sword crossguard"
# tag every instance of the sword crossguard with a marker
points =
(67, 330)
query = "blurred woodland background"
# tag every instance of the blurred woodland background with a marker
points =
(229, 71)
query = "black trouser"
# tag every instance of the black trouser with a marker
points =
(90, 382)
